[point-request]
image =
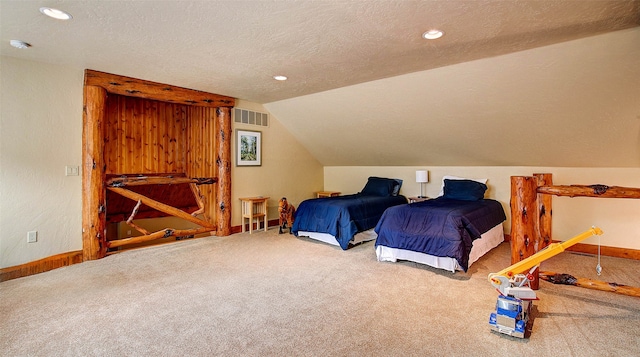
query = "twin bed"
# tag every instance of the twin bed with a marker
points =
(348, 220)
(449, 232)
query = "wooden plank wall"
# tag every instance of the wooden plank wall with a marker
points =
(145, 136)
(201, 153)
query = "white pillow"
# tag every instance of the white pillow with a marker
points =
(481, 180)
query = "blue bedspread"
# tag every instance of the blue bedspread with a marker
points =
(441, 227)
(342, 216)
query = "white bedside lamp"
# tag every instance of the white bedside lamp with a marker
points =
(422, 177)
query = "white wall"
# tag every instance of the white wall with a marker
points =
(618, 218)
(40, 133)
(287, 170)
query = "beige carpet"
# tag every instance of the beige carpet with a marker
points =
(276, 295)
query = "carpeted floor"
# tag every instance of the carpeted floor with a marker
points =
(277, 295)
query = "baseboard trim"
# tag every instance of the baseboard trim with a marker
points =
(40, 266)
(604, 250)
(607, 251)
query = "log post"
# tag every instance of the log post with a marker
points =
(524, 221)
(223, 163)
(93, 174)
(545, 212)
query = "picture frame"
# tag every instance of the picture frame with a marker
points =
(248, 148)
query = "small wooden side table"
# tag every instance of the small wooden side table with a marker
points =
(327, 193)
(417, 199)
(254, 208)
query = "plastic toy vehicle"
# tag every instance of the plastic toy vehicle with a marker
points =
(511, 316)
(513, 306)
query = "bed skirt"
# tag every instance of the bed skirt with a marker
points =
(481, 246)
(359, 237)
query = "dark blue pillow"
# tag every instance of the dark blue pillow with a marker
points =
(465, 190)
(378, 186)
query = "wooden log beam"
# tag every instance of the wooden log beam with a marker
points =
(161, 207)
(567, 279)
(223, 163)
(93, 174)
(602, 191)
(133, 214)
(158, 180)
(199, 199)
(117, 218)
(524, 221)
(165, 233)
(138, 228)
(133, 87)
(135, 211)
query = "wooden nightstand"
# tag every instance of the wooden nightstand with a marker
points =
(417, 199)
(327, 193)
(254, 207)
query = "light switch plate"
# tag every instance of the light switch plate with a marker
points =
(32, 237)
(72, 170)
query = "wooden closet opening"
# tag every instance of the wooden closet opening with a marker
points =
(152, 151)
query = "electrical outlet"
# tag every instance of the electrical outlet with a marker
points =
(32, 237)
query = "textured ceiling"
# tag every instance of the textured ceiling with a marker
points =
(235, 47)
(573, 104)
(512, 83)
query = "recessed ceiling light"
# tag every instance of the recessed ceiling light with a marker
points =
(55, 13)
(280, 78)
(19, 44)
(432, 34)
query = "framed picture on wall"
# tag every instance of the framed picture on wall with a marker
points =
(248, 148)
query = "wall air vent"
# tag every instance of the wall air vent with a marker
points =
(244, 116)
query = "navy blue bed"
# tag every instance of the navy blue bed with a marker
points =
(442, 227)
(343, 216)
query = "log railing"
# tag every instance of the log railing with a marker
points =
(531, 211)
(602, 191)
(157, 180)
(118, 185)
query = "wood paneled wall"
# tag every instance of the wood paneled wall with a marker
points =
(202, 152)
(145, 136)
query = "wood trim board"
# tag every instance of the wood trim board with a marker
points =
(41, 265)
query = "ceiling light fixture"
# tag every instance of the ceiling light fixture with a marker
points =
(432, 34)
(55, 13)
(19, 44)
(280, 78)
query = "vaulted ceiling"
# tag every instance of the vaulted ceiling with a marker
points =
(519, 83)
